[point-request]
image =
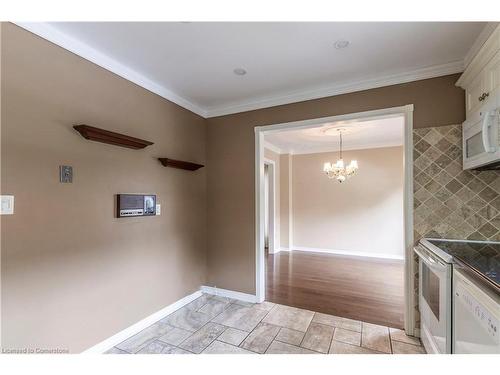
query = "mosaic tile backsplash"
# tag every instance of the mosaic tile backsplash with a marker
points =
(448, 201)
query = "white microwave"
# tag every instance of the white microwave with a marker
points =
(481, 137)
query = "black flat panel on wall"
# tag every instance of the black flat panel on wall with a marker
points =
(129, 205)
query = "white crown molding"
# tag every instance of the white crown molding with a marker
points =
(331, 148)
(319, 150)
(87, 52)
(479, 42)
(487, 49)
(273, 148)
(48, 32)
(337, 89)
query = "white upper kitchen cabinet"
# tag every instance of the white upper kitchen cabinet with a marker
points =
(482, 76)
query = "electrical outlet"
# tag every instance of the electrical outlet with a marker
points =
(7, 207)
(158, 209)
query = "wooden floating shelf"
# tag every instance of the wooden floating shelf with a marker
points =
(112, 138)
(180, 164)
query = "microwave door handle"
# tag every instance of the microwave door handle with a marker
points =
(485, 133)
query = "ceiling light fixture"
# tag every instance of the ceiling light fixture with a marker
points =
(339, 44)
(239, 71)
(338, 170)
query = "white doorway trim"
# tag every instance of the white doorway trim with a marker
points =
(407, 112)
(271, 173)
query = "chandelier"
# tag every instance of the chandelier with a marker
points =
(338, 170)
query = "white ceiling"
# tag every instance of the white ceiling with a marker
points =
(192, 63)
(356, 135)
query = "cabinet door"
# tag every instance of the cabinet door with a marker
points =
(474, 92)
(493, 74)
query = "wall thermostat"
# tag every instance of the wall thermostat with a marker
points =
(135, 205)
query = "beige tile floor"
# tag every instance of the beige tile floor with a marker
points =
(218, 325)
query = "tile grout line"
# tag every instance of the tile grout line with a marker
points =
(244, 338)
(305, 333)
(210, 297)
(191, 335)
(331, 341)
(299, 347)
(200, 330)
(408, 343)
(361, 333)
(390, 340)
(274, 339)
(307, 330)
(248, 333)
(175, 346)
(260, 321)
(403, 342)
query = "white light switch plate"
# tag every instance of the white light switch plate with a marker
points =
(158, 209)
(7, 205)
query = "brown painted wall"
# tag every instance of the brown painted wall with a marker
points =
(230, 153)
(72, 273)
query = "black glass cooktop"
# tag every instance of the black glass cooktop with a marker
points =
(483, 257)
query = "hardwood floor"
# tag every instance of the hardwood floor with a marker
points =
(371, 290)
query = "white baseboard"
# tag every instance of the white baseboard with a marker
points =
(349, 253)
(229, 294)
(280, 250)
(121, 336)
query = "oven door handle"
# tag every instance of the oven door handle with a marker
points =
(429, 261)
